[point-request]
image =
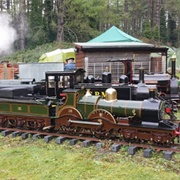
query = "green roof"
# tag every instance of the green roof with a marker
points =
(114, 35)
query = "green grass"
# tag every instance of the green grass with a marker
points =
(36, 160)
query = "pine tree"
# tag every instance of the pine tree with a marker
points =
(156, 34)
(50, 20)
(147, 30)
(36, 35)
(171, 30)
(163, 28)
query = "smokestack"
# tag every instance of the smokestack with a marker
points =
(163, 57)
(141, 75)
(173, 66)
(151, 93)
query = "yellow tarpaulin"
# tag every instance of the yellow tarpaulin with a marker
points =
(59, 55)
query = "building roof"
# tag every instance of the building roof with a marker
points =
(114, 44)
(119, 46)
(114, 35)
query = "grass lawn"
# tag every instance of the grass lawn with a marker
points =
(37, 160)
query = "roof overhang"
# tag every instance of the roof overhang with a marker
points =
(119, 46)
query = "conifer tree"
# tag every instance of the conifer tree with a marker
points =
(163, 28)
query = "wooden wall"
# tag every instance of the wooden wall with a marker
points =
(156, 64)
(98, 61)
(80, 55)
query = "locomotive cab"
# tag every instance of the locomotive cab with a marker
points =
(57, 81)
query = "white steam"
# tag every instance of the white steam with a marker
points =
(7, 34)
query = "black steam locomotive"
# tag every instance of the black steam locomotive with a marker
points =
(135, 87)
(63, 108)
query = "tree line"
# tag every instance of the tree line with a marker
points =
(43, 21)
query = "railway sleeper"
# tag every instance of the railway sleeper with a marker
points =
(132, 149)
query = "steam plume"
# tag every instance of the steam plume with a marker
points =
(7, 34)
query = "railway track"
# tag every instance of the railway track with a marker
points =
(114, 145)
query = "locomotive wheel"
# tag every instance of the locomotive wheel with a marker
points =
(103, 133)
(4, 122)
(70, 112)
(70, 130)
(164, 139)
(62, 123)
(20, 122)
(12, 122)
(1, 120)
(104, 117)
(9, 122)
(129, 135)
(31, 125)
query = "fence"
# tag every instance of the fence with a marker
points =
(116, 69)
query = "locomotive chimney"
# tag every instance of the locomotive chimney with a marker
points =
(106, 77)
(141, 75)
(173, 66)
(174, 87)
(151, 93)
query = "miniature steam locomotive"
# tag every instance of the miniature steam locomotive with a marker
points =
(65, 109)
(130, 109)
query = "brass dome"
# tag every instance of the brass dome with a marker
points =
(110, 94)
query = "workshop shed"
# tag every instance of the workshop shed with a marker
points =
(96, 57)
